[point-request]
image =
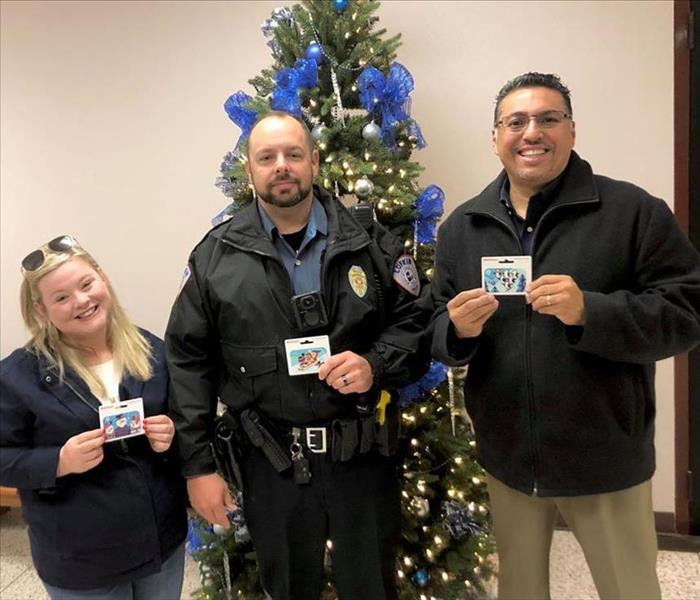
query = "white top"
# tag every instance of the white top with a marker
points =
(107, 373)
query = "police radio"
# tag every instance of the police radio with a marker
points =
(363, 213)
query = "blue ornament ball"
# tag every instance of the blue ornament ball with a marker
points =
(420, 578)
(314, 52)
(340, 5)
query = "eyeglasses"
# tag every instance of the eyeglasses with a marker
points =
(36, 258)
(545, 120)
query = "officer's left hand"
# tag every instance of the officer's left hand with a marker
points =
(559, 296)
(347, 372)
(160, 431)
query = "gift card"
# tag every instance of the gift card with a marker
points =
(122, 420)
(507, 275)
(306, 355)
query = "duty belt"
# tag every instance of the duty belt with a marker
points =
(261, 438)
(341, 438)
(316, 439)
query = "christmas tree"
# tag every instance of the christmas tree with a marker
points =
(335, 69)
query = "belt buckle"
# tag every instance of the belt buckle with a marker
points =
(316, 440)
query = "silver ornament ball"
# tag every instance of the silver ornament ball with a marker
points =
(371, 132)
(318, 132)
(363, 187)
(420, 506)
(218, 529)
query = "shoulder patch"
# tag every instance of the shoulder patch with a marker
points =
(185, 276)
(406, 275)
(222, 216)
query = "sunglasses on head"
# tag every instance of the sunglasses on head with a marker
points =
(59, 245)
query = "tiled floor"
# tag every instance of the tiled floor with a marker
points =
(679, 572)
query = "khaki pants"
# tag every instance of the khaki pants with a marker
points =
(615, 530)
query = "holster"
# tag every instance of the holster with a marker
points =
(360, 434)
(227, 444)
(388, 433)
(261, 438)
(368, 433)
(345, 439)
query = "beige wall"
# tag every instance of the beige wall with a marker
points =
(112, 125)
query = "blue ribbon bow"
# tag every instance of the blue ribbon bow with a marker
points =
(412, 393)
(285, 96)
(280, 16)
(390, 96)
(458, 520)
(429, 206)
(196, 529)
(235, 107)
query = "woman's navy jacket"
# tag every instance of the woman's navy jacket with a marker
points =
(116, 522)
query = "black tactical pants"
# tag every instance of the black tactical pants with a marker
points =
(355, 505)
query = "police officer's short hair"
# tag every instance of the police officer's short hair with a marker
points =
(280, 114)
(533, 79)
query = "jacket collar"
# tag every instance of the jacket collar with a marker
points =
(317, 223)
(75, 395)
(577, 186)
(245, 230)
(343, 229)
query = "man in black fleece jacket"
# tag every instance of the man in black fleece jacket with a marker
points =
(560, 385)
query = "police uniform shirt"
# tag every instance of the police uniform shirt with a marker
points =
(303, 265)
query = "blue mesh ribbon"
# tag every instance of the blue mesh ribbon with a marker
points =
(235, 107)
(196, 528)
(429, 206)
(280, 16)
(414, 130)
(285, 96)
(412, 393)
(308, 72)
(458, 521)
(390, 96)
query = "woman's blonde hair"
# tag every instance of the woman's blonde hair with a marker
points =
(130, 350)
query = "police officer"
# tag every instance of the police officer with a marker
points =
(294, 265)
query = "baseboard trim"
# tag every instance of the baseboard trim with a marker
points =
(669, 539)
(665, 522)
(677, 542)
(666, 534)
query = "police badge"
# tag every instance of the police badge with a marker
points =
(358, 280)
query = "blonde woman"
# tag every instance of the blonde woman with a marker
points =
(107, 520)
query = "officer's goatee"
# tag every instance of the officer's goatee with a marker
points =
(273, 199)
